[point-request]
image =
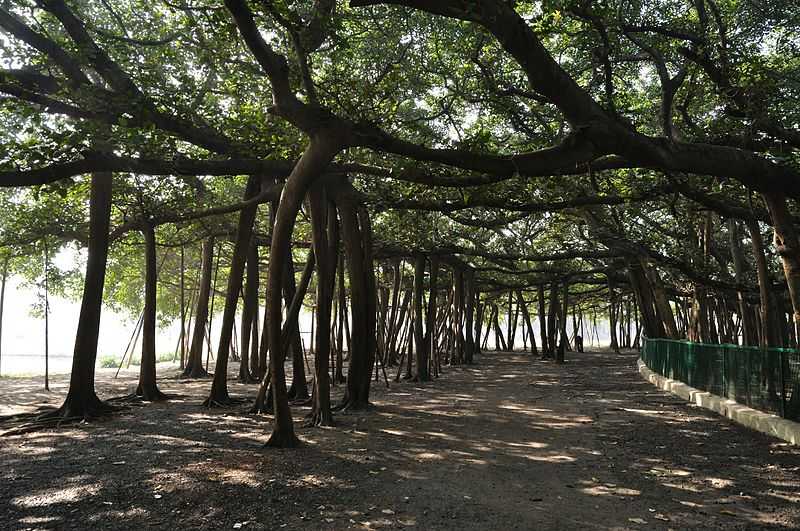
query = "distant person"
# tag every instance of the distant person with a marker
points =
(579, 343)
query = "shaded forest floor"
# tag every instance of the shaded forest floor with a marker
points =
(509, 443)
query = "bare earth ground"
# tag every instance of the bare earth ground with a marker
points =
(510, 443)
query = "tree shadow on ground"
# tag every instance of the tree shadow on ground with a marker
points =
(510, 443)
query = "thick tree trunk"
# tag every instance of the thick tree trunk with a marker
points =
(82, 401)
(147, 388)
(458, 316)
(787, 245)
(298, 390)
(264, 402)
(469, 309)
(46, 317)
(768, 337)
(641, 287)
(2, 305)
(372, 298)
(319, 153)
(218, 395)
(663, 308)
(563, 345)
(391, 327)
(489, 322)
(612, 315)
(510, 328)
(480, 310)
(182, 288)
(433, 289)
(396, 340)
(499, 339)
(325, 239)
(249, 310)
(420, 347)
(551, 319)
(542, 321)
(194, 364)
(339, 376)
(527, 317)
(362, 299)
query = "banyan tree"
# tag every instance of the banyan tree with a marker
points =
(417, 176)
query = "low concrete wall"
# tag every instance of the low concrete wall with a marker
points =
(752, 418)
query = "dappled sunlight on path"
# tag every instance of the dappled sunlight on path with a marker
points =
(509, 443)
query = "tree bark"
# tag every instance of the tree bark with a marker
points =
(319, 153)
(82, 401)
(148, 388)
(551, 319)
(264, 401)
(510, 328)
(218, 395)
(2, 305)
(298, 390)
(391, 353)
(652, 325)
(543, 322)
(469, 341)
(433, 290)
(359, 370)
(325, 239)
(663, 308)
(194, 364)
(339, 377)
(480, 310)
(563, 345)
(249, 310)
(458, 317)
(526, 316)
(787, 245)
(768, 337)
(612, 314)
(420, 348)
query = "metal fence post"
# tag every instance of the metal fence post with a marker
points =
(783, 385)
(749, 400)
(724, 372)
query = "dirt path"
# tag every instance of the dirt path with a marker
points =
(510, 443)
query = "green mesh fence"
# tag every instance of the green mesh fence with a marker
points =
(765, 379)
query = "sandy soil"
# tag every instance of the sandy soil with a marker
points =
(510, 443)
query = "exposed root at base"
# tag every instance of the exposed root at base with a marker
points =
(319, 420)
(67, 414)
(202, 376)
(352, 405)
(277, 440)
(222, 402)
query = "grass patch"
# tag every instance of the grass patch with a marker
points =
(108, 362)
(165, 356)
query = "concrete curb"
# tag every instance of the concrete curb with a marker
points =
(757, 420)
